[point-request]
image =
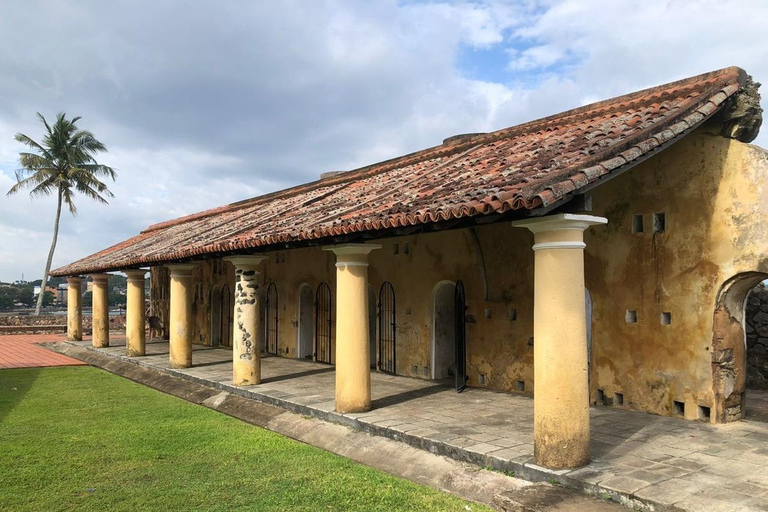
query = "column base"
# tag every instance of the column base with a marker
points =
(247, 382)
(352, 409)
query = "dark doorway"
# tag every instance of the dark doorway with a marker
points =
(460, 305)
(387, 329)
(215, 306)
(271, 320)
(443, 357)
(306, 299)
(323, 343)
(226, 316)
(372, 323)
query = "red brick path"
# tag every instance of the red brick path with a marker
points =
(21, 351)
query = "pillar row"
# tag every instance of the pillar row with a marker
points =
(135, 337)
(180, 321)
(560, 364)
(100, 308)
(246, 357)
(75, 308)
(353, 359)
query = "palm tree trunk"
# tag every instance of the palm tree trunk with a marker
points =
(50, 256)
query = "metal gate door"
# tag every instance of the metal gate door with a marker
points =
(461, 337)
(271, 320)
(387, 336)
(323, 310)
(226, 316)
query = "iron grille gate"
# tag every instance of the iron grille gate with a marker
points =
(323, 347)
(459, 301)
(271, 320)
(387, 329)
(225, 318)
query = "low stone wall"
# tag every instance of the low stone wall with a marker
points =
(30, 324)
(756, 320)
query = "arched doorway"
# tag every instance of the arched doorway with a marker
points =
(372, 325)
(730, 348)
(387, 329)
(588, 310)
(323, 310)
(215, 307)
(271, 320)
(305, 337)
(443, 357)
(226, 316)
(460, 308)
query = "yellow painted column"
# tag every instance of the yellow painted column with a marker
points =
(180, 324)
(246, 357)
(353, 359)
(75, 308)
(135, 337)
(560, 365)
(100, 308)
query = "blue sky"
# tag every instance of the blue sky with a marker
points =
(205, 103)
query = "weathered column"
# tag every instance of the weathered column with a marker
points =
(180, 322)
(560, 365)
(135, 338)
(75, 308)
(246, 359)
(353, 359)
(100, 308)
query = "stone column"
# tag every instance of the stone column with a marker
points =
(75, 308)
(246, 357)
(353, 359)
(135, 337)
(100, 308)
(180, 322)
(560, 365)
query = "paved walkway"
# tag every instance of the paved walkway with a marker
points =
(641, 459)
(22, 351)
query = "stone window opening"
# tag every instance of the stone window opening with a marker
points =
(631, 316)
(659, 222)
(637, 223)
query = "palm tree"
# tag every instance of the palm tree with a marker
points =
(64, 163)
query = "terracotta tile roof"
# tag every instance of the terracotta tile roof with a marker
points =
(525, 167)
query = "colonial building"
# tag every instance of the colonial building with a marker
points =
(598, 256)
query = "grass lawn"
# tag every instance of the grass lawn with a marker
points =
(78, 438)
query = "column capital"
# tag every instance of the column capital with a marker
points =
(75, 280)
(560, 222)
(352, 249)
(181, 269)
(136, 274)
(99, 278)
(250, 261)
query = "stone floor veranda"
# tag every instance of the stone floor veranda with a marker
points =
(660, 461)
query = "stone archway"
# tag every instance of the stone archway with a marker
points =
(729, 346)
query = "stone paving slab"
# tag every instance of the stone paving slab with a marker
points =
(642, 460)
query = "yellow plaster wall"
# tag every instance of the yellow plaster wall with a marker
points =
(712, 191)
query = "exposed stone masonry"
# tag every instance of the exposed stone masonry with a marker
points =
(757, 338)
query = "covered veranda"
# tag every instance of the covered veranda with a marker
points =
(657, 460)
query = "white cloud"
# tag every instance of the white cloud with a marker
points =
(202, 104)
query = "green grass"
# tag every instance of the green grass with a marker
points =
(78, 438)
